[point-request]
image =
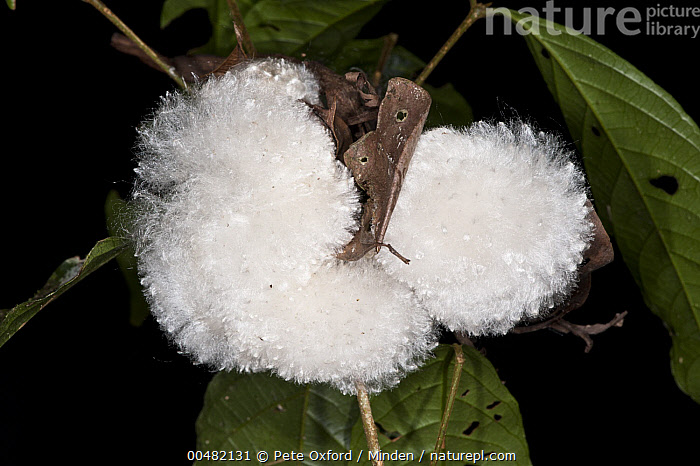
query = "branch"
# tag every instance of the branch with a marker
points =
(477, 11)
(561, 325)
(585, 331)
(456, 374)
(107, 13)
(187, 66)
(242, 35)
(368, 421)
(389, 44)
(463, 339)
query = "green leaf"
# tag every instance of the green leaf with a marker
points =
(223, 38)
(642, 156)
(12, 4)
(485, 415)
(173, 9)
(449, 107)
(70, 272)
(365, 53)
(308, 28)
(320, 31)
(258, 412)
(117, 214)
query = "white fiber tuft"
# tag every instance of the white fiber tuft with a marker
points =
(494, 220)
(241, 206)
(350, 323)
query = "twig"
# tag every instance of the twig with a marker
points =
(574, 302)
(463, 339)
(242, 35)
(368, 422)
(190, 67)
(107, 13)
(389, 44)
(393, 251)
(477, 11)
(585, 331)
(456, 374)
(561, 325)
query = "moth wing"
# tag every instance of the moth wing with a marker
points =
(402, 114)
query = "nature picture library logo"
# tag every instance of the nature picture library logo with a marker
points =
(657, 20)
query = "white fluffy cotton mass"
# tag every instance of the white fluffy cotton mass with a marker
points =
(351, 322)
(241, 206)
(494, 220)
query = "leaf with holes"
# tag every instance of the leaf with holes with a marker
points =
(69, 273)
(642, 156)
(485, 415)
(262, 412)
(292, 27)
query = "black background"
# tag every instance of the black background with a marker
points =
(78, 383)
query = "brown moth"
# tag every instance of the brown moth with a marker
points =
(379, 161)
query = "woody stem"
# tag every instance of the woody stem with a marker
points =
(107, 13)
(477, 11)
(368, 423)
(242, 35)
(457, 372)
